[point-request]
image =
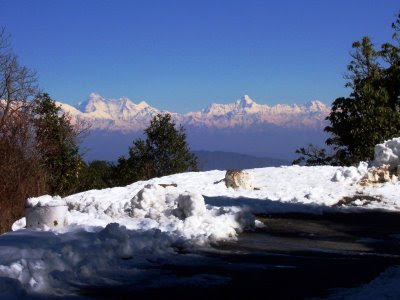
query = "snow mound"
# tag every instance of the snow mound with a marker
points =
(388, 153)
(110, 230)
(190, 204)
(185, 213)
(151, 202)
(351, 174)
(65, 260)
(44, 201)
(156, 202)
(19, 224)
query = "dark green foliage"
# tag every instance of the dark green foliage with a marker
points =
(56, 144)
(98, 174)
(163, 152)
(371, 113)
(313, 156)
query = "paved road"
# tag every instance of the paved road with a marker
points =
(293, 257)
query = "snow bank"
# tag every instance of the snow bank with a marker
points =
(55, 262)
(155, 202)
(169, 209)
(388, 153)
(120, 230)
(110, 230)
(351, 174)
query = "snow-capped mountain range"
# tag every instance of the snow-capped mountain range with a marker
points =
(126, 116)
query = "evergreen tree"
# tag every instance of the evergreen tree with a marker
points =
(371, 113)
(57, 146)
(163, 152)
(98, 174)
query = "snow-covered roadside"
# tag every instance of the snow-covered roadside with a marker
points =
(278, 190)
(121, 230)
(114, 231)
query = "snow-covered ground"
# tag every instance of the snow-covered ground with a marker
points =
(124, 230)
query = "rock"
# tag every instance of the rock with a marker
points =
(378, 175)
(164, 185)
(238, 179)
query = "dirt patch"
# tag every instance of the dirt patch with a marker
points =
(164, 185)
(351, 200)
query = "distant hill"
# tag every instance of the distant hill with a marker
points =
(220, 160)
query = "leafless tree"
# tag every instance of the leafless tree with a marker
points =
(20, 173)
(24, 149)
(18, 84)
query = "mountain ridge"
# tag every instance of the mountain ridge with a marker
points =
(125, 115)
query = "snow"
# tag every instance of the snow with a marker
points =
(388, 153)
(351, 174)
(108, 227)
(54, 261)
(113, 114)
(43, 217)
(122, 230)
(124, 115)
(45, 201)
(190, 205)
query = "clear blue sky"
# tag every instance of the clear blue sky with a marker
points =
(182, 55)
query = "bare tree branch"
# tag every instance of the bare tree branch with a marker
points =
(18, 84)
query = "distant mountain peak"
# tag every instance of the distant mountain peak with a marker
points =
(142, 104)
(93, 96)
(316, 105)
(123, 114)
(96, 103)
(245, 101)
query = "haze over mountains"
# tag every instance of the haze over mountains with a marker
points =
(243, 126)
(219, 160)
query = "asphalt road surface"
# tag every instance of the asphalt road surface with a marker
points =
(294, 257)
